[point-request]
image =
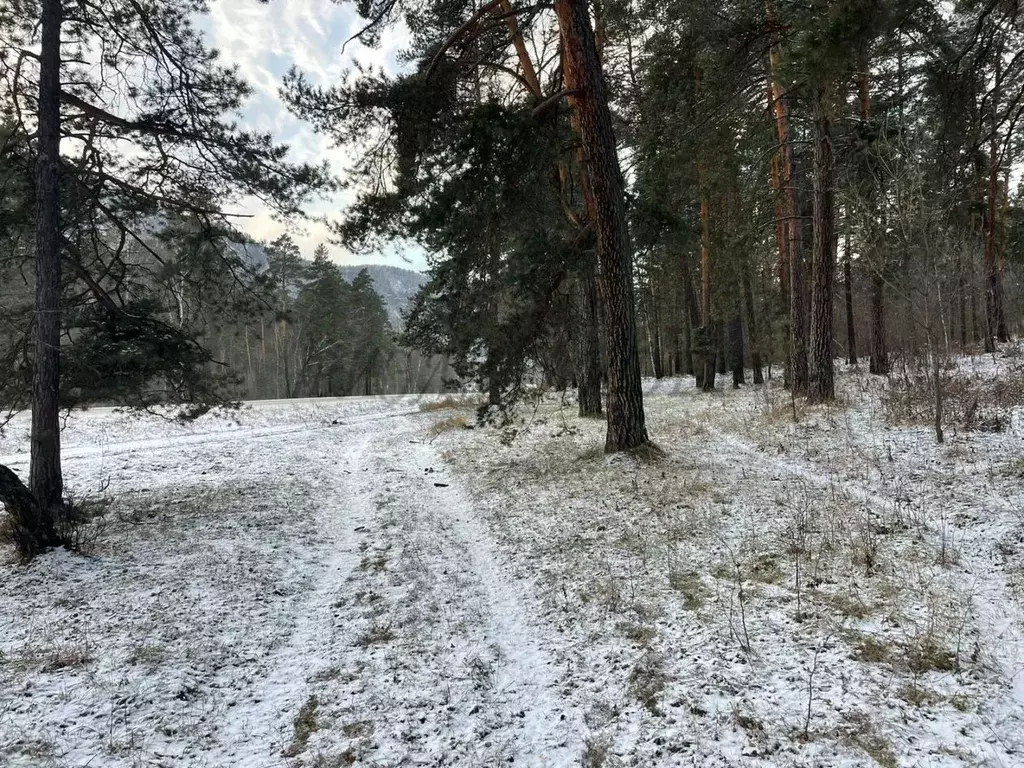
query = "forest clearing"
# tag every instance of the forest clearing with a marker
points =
(474, 383)
(370, 583)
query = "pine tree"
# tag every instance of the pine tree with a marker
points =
(161, 93)
(583, 75)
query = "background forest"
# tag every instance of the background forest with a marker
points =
(784, 164)
(261, 322)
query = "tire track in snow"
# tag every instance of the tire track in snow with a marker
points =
(258, 733)
(526, 674)
(458, 671)
(152, 445)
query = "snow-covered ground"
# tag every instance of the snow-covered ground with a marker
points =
(359, 582)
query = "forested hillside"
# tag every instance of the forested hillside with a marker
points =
(395, 285)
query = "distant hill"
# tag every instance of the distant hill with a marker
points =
(253, 255)
(395, 285)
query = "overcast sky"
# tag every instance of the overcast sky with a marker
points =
(265, 40)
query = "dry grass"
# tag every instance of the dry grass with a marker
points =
(864, 733)
(647, 680)
(970, 401)
(597, 753)
(66, 657)
(447, 425)
(304, 725)
(377, 634)
(690, 587)
(447, 404)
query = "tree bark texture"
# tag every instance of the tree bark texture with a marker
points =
(590, 370)
(792, 263)
(582, 73)
(753, 334)
(45, 478)
(821, 369)
(851, 331)
(736, 351)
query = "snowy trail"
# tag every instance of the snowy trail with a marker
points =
(268, 568)
(455, 669)
(257, 734)
(520, 708)
(526, 679)
(107, 449)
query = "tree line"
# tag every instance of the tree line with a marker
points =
(676, 188)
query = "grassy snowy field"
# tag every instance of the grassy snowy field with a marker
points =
(366, 583)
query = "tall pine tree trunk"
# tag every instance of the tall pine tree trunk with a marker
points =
(799, 311)
(995, 314)
(582, 72)
(654, 323)
(822, 374)
(708, 336)
(972, 287)
(782, 265)
(691, 321)
(851, 332)
(961, 301)
(736, 351)
(878, 362)
(45, 478)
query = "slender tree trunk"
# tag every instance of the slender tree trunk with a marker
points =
(937, 376)
(973, 299)
(736, 351)
(590, 371)
(822, 374)
(525, 62)
(753, 334)
(287, 375)
(794, 265)
(799, 324)
(493, 391)
(708, 334)
(878, 363)
(782, 265)
(961, 300)
(994, 310)
(691, 321)
(582, 72)
(1001, 246)
(45, 478)
(654, 321)
(851, 333)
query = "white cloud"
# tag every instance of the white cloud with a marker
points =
(264, 40)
